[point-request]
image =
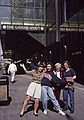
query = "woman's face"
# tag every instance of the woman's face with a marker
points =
(40, 69)
(66, 66)
(58, 68)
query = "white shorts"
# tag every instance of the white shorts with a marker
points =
(34, 90)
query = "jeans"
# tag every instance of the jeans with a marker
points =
(68, 93)
(46, 92)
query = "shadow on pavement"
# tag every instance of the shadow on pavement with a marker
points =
(6, 103)
(69, 117)
(30, 108)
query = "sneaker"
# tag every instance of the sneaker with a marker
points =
(61, 112)
(72, 111)
(45, 112)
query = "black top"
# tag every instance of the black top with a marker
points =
(55, 81)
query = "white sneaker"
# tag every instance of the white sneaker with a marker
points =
(45, 112)
(61, 112)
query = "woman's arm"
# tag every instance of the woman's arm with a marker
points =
(26, 71)
(74, 77)
(48, 76)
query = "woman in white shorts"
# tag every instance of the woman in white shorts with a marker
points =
(34, 89)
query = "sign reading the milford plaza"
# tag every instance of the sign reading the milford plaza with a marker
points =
(71, 29)
(21, 27)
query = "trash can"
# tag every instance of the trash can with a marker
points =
(4, 88)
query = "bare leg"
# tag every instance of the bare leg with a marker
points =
(36, 105)
(24, 105)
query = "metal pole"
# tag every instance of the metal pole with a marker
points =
(3, 37)
(64, 10)
(45, 21)
(1, 51)
(57, 21)
(58, 26)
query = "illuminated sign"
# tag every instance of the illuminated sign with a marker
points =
(77, 53)
(22, 27)
(71, 29)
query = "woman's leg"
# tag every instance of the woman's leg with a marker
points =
(36, 105)
(65, 98)
(24, 105)
(71, 94)
(30, 92)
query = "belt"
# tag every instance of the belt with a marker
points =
(37, 82)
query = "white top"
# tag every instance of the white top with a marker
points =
(12, 68)
(57, 73)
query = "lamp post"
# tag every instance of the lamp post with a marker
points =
(57, 21)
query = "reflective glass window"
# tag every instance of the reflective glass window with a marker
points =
(17, 14)
(29, 14)
(5, 2)
(5, 14)
(39, 13)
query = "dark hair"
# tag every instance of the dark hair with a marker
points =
(40, 65)
(49, 63)
(67, 63)
(12, 61)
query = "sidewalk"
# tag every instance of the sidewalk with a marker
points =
(17, 92)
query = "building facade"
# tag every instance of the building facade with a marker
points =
(51, 28)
